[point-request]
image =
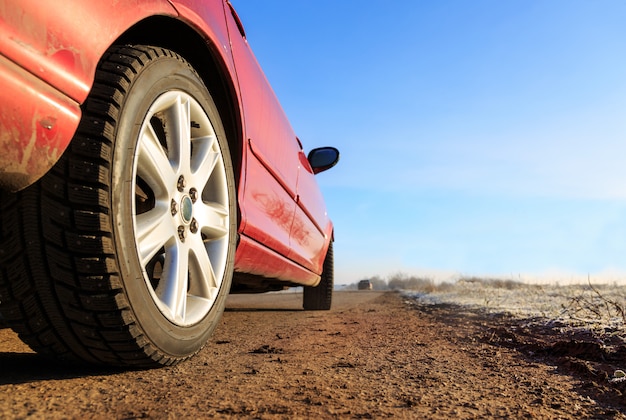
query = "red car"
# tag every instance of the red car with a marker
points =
(147, 170)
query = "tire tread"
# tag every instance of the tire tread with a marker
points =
(62, 293)
(319, 298)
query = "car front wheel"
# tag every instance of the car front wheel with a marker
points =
(130, 239)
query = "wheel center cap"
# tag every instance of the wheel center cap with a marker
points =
(186, 209)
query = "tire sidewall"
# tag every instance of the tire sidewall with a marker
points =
(170, 338)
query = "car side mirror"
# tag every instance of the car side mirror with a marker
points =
(323, 158)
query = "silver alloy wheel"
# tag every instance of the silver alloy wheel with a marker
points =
(181, 208)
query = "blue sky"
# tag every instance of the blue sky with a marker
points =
(478, 137)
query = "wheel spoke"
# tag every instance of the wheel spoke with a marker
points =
(153, 230)
(178, 122)
(213, 219)
(172, 289)
(153, 164)
(204, 159)
(201, 270)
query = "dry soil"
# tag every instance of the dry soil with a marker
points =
(374, 355)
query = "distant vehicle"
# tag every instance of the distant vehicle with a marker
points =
(147, 170)
(365, 285)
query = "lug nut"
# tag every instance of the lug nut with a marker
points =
(193, 227)
(181, 183)
(174, 207)
(181, 233)
(193, 193)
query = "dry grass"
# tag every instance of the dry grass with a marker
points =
(597, 308)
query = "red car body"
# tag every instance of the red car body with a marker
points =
(48, 58)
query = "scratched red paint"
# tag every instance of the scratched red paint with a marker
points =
(48, 57)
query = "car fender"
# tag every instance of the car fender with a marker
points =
(48, 71)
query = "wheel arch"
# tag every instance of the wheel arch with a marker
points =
(196, 48)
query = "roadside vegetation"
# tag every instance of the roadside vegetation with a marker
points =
(597, 307)
(402, 281)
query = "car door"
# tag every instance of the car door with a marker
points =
(311, 226)
(267, 198)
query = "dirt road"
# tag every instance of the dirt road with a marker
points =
(371, 356)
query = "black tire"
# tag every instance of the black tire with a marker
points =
(320, 297)
(11, 263)
(121, 259)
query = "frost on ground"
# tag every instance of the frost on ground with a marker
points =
(599, 308)
(583, 325)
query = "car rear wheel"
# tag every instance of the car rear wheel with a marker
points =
(129, 241)
(319, 298)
